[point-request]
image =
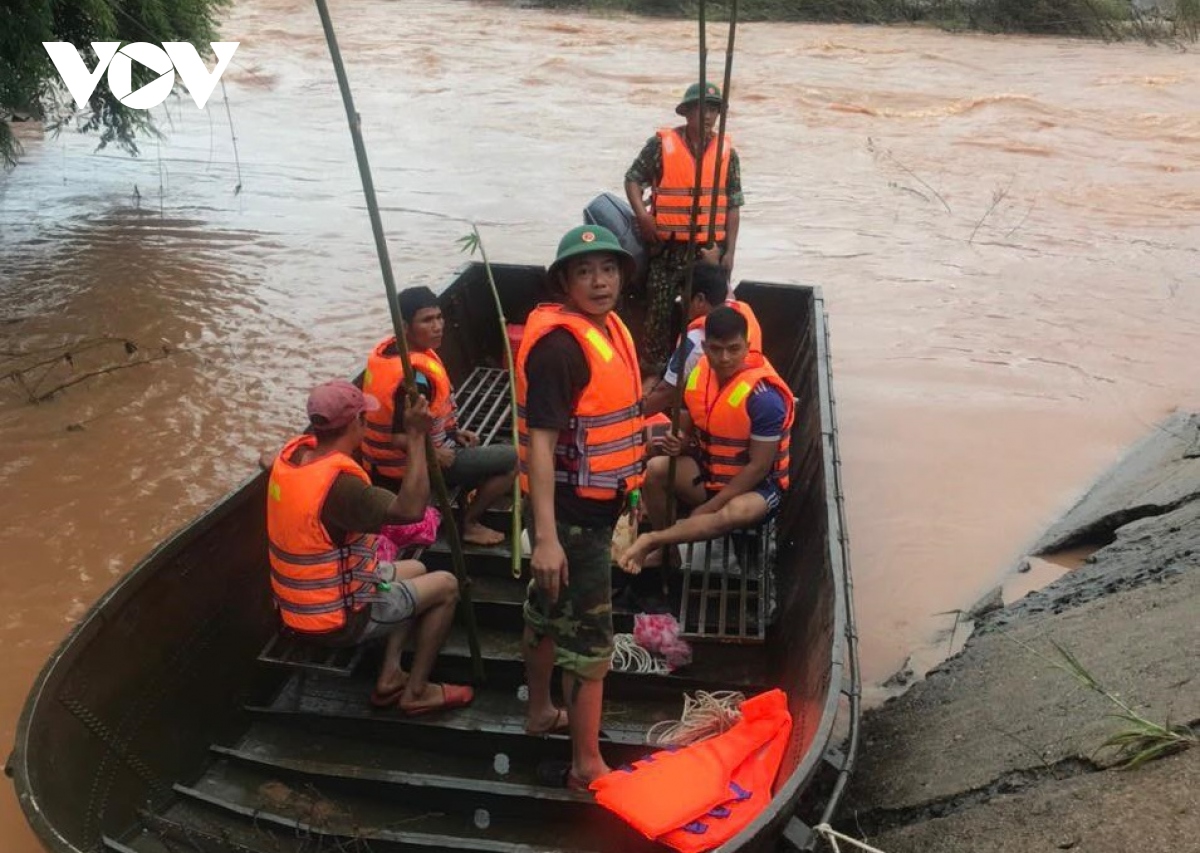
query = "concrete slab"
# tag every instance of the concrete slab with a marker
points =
(1159, 473)
(997, 708)
(1156, 808)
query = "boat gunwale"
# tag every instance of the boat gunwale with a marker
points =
(776, 812)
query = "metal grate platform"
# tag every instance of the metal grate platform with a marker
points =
(484, 406)
(727, 587)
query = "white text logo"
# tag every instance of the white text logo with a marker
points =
(173, 56)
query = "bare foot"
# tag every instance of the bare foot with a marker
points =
(558, 721)
(389, 689)
(480, 534)
(635, 557)
(587, 774)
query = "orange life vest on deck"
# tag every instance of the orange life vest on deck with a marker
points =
(722, 421)
(600, 453)
(315, 581)
(697, 797)
(753, 329)
(383, 376)
(671, 197)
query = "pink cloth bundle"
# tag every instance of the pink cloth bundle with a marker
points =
(394, 538)
(659, 633)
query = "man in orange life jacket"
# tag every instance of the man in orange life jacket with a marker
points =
(321, 513)
(710, 289)
(489, 471)
(740, 413)
(581, 454)
(667, 165)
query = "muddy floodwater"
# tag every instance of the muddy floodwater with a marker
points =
(1007, 231)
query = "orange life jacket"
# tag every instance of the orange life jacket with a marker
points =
(722, 421)
(671, 196)
(600, 452)
(753, 329)
(315, 581)
(383, 376)
(697, 797)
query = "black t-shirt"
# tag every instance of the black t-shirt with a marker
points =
(557, 372)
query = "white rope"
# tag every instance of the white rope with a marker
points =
(628, 656)
(832, 836)
(705, 716)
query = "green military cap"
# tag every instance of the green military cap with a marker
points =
(712, 94)
(586, 239)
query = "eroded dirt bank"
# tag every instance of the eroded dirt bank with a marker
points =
(998, 749)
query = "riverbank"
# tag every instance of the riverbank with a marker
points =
(999, 748)
(1110, 20)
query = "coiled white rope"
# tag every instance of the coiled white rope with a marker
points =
(833, 836)
(705, 716)
(628, 656)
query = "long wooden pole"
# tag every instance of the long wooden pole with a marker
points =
(466, 610)
(686, 297)
(712, 219)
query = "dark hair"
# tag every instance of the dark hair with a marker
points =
(725, 324)
(711, 282)
(415, 299)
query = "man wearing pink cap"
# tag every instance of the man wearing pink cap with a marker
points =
(322, 514)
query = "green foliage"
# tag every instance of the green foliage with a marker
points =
(1139, 739)
(29, 83)
(472, 243)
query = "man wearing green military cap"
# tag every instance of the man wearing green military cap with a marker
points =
(667, 165)
(580, 456)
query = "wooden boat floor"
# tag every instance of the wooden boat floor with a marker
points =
(324, 765)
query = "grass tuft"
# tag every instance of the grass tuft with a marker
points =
(1139, 739)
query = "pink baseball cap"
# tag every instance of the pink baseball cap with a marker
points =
(332, 405)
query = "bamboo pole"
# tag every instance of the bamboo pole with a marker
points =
(466, 610)
(470, 243)
(712, 219)
(686, 297)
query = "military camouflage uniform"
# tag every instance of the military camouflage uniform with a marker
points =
(667, 269)
(580, 622)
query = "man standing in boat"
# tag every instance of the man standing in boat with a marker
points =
(710, 289)
(489, 471)
(667, 165)
(740, 414)
(322, 514)
(581, 455)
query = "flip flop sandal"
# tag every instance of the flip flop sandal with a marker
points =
(562, 723)
(386, 700)
(453, 696)
(558, 774)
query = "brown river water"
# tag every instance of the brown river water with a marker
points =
(1007, 231)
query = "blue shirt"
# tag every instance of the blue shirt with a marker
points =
(767, 411)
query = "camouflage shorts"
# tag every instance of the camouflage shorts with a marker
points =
(580, 622)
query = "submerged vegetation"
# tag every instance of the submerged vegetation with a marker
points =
(1149, 20)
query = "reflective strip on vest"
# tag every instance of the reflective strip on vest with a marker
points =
(600, 451)
(384, 374)
(673, 193)
(315, 582)
(722, 425)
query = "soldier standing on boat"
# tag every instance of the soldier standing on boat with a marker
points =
(667, 166)
(581, 454)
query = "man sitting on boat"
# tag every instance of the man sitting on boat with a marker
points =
(489, 471)
(581, 454)
(739, 416)
(322, 514)
(710, 289)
